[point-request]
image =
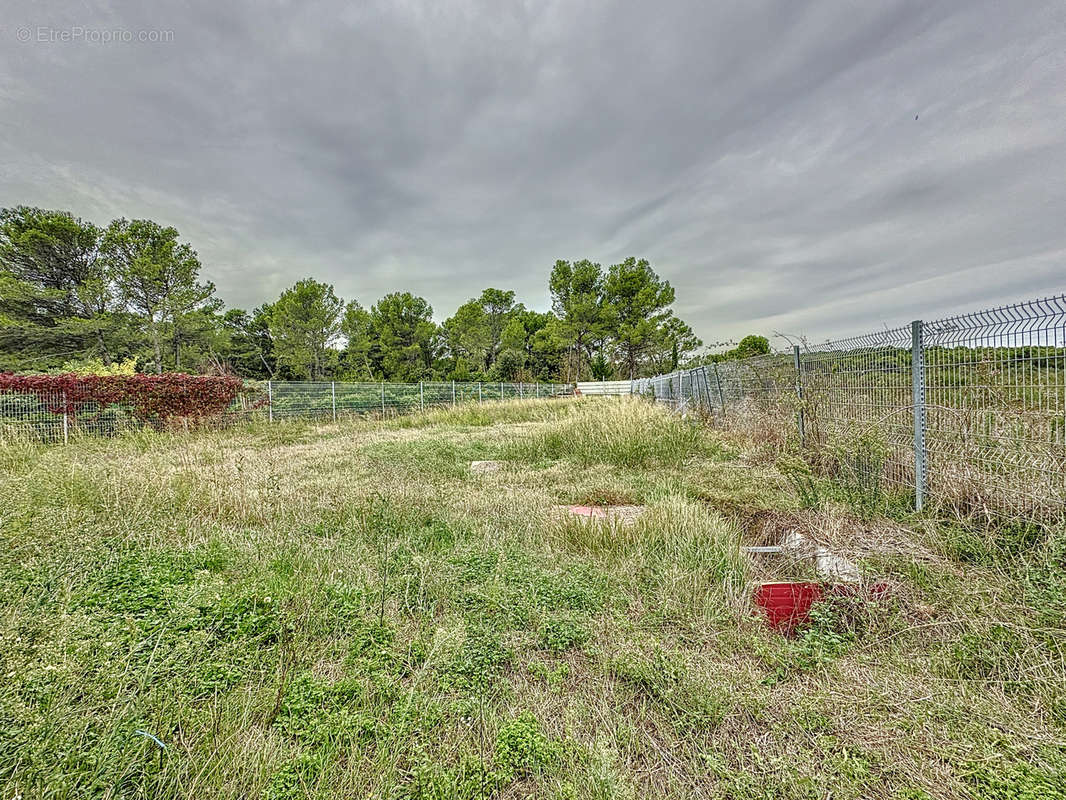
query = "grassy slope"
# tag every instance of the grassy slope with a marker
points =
(346, 611)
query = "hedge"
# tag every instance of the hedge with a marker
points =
(151, 398)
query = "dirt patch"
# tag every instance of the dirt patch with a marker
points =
(604, 497)
(482, 467)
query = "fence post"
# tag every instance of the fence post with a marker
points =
(270, 401)
(421, 397)
(66, 432)
(707, 388)
(382, 398)
(501, 390)
(479, 392)
(453, 394)
(333, 387)
(918, 393)
(799, 393)
(718, 382)
(536, 389)
(521, 393)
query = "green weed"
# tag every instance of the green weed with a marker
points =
(562, 633)
(1019, 780)
(522, 749)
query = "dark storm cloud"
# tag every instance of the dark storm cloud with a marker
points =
(764, 156)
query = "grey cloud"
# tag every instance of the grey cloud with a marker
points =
(764, 156)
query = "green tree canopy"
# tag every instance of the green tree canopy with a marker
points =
(248, 348)
(157, 279)
(71, 292)
(753, 345)
(499, 307)
(750, 345)
(404, 335)
(674, 342)
(358, 328)
(55, 294)
(577, 292)
(639, 301)
(304, 323)
(468, 339)
(55, 252)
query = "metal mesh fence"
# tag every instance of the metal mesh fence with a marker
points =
(857, 406)
(334, 400)
(41, 417)
(23, 415)
(995, 404)
(969, 410)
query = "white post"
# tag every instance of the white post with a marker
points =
(521, 393)
(66, 433)
(333, 386)
(270, 401)
(383, 399)
(421, 397)
(453, 394)
(479, 392)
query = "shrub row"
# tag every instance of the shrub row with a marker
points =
(151, 398)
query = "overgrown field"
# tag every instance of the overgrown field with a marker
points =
(347, 610)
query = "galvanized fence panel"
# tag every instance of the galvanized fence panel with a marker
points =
(43, 417)
(857, 407)
(969, 411)
(995, 389)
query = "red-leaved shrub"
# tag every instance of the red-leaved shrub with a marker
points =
(151, 398)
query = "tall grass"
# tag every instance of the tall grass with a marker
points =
(624, 432)
(683, 558)
(490, 412)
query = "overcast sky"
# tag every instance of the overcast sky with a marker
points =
(764, 156)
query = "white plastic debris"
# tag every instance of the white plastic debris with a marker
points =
(830, 566)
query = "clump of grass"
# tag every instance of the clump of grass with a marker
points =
(683, 559)
(624, 432)
(798, 473)
(603, 496)
(667, 680)
(1004, 779)
(494, 412)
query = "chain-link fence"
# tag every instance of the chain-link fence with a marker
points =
(969, 410)
(42, 417)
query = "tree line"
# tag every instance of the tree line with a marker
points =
(74, 295)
